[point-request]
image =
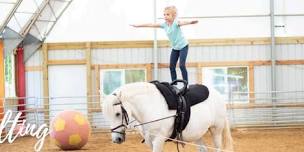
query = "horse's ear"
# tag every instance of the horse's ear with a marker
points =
(117, 94)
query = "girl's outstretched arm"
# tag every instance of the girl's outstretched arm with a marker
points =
(146, 25)
(181, 23)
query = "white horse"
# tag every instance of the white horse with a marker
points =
(145, 103)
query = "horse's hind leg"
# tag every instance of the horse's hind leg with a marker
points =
(202, 147)
(217, 137)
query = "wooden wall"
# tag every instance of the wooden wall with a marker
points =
(253, 53)
(87, 57)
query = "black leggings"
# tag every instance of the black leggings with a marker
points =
(182, 55)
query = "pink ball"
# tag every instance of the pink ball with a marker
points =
(70, 130)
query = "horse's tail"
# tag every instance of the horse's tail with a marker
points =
(227, 138)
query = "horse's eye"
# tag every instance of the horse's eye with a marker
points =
(117, 114)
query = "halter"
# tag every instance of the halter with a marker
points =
(124, 117)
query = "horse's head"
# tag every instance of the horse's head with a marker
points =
(116, 113)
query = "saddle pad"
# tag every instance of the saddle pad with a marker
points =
(167, 91)
(196, 93)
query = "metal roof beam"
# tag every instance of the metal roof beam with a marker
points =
(10, 15)
(35, 30)
(28, 26)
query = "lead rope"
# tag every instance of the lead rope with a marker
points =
(155, 120)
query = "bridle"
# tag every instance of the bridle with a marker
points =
(124, 117)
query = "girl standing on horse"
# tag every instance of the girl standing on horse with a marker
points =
(177, 40)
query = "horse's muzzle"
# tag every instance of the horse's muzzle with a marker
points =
(118, 140)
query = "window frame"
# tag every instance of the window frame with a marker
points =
(228, 95)
(122, 78)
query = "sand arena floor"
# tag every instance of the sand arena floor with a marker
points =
(245, 140)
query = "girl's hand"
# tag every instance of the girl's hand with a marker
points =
(134, 25)
(194, 22)
(146, 25)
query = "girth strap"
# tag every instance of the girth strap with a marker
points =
(181, 120)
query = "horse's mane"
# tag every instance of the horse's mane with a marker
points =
(125, 93)
(134, 89)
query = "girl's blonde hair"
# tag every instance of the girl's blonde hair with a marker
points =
(172, 9)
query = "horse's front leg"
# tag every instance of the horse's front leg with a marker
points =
(202, 147)
(158, 144)
(148, 140)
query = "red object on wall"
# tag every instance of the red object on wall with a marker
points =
(20, 74)
(2, 83)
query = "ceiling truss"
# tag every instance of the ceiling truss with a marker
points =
(29, 21)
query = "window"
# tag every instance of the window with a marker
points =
(112, 79)
(231, 82)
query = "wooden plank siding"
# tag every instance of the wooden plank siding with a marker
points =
(45, 83)
(165, 43)
(148, 66)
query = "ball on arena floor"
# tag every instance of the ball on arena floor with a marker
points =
(70, 130)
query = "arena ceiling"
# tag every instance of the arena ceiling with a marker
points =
(28, 20)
